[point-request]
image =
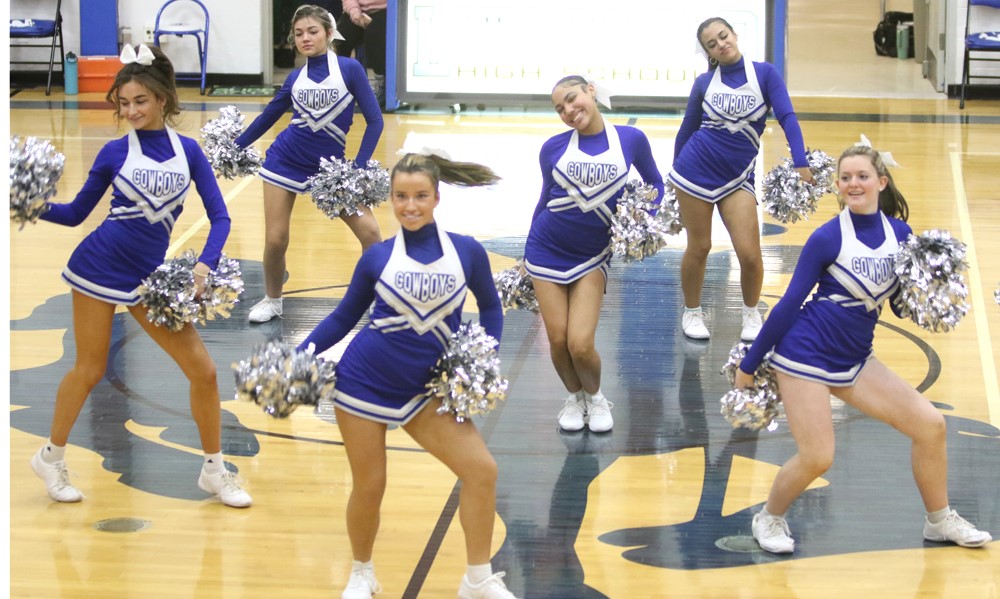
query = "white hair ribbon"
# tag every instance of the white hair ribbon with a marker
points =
(423, 151)
(887, 158)
(144, 56)
(336, 34)
(601, 93)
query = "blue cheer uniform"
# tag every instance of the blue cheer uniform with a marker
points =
(322, 94)
(582, 178)
(829, 338)
(716, 148)
(418, 281)
(150, 173)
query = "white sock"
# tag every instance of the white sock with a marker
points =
(214, 463)
(695, 309)
(357, 566)
(477, 574)
(273, 300)
(595, 394)
(749, 308)
(53, 453)
(941, 514)
(764, 512)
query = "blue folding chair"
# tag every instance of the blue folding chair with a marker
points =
(178, 22)
(37, 30)
(979, 40)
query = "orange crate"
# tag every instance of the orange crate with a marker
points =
(97, 73)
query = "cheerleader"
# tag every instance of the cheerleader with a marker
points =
(714, 156)
(418, 281)
(825, 347)
(150, 171)
(322, 94)
(568, 249)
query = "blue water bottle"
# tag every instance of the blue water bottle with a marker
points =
(70, 74)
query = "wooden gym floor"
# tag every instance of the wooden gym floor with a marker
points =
(659, 507)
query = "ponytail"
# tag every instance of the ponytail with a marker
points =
(439, 168)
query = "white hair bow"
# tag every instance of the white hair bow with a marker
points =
(336, 34)
(144, 56)
(887, 158)
(601, 93)
(423, 151)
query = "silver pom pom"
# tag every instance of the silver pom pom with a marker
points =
(223, 288)
(168, 295)
(670, 211)
(169, 292)
(339, 189)
(35, 169)
(279, 378)
(755, 407)
(787, 197)
(996, 296)
(932, 290)
(228, 160)
(467, 376)
(516, 289)
(635, 233)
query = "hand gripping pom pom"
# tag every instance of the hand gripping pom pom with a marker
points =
(670, 211)
(467, 376)
(635, 233)
(228, 160)
(755, 407)
(35, 169)
(932, 290)
(340, 189)
(787, 197)
(223, 287)
(168, 293)
(279, 378)
(516, 289)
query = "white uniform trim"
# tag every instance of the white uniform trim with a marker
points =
(318, 104)
(156, 188)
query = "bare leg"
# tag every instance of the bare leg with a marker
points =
(697, 218)
(92, 320)
(553, 303)
(585, 297)
(461, 448)
(739, 213)
(364, 442)
(881, 393)
(364, 227)
(278, 204)
(807, 407)
(188, 351)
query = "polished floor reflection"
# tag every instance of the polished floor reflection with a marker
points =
(659, 507)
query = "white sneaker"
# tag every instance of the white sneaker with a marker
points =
(265, 310)
(571, 417)
(491, 588)
(956, 529)
(226, 485)
(362, 585)
(599, 414)
(772, 534)
(693, 324)
(56, 479)
(751, 324)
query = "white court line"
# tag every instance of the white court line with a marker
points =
(204, 219)
(976, 291)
